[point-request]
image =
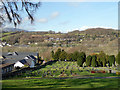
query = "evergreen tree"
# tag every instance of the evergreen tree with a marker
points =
(102, 57)
(75, 55)
(57, 54)
(52, 54)
(63, 55)
(83, 55)
(118, 58)
(88, 60)
(69, 56)
(80, 61)
(94, 62)
(111, 59)
(81, 58)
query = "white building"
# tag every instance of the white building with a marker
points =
(25, 62)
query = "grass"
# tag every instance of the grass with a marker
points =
(61, 83)
(35, 79)
(56, 70)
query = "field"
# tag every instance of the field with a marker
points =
(61, 83)
(63, 74)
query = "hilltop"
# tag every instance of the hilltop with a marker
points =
(91, 40)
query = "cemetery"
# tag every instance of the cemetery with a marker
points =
(65, 74)
(69, 69)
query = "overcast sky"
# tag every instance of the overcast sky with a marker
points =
(69, 16)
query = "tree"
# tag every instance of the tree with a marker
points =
(83, 55)
(63, 55)
(69, 56)
(118, 58)
(57, 54)
(102, 57)
(75, 55)
(94, 62)
(88, 60)
(80, 61)
(12, 9)
(111, 59)
(52, 54)
(81, 58)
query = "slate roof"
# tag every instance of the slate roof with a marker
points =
(14, 58)
(5, 65)
(25, 62)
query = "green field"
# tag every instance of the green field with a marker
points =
(61, 83)
(58, 75)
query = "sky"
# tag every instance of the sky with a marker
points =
(69, 16)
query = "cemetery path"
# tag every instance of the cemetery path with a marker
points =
(74, 78)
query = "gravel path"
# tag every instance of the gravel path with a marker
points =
(73, 78)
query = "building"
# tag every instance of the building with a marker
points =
(17, 59)
(28, 61)
(6, 68)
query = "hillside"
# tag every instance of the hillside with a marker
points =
(90, 40)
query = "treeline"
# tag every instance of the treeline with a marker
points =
(94, 60)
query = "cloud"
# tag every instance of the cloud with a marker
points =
(43, 20)
(47, 19)
(86, 27)
(54, 14)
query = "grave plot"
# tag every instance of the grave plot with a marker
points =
(65, 69)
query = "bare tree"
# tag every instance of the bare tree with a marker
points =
(11, 10)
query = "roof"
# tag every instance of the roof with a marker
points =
(26, 61)
(5, 65)
(15, 58)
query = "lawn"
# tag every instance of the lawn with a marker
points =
(58, 75)
(60, 83)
